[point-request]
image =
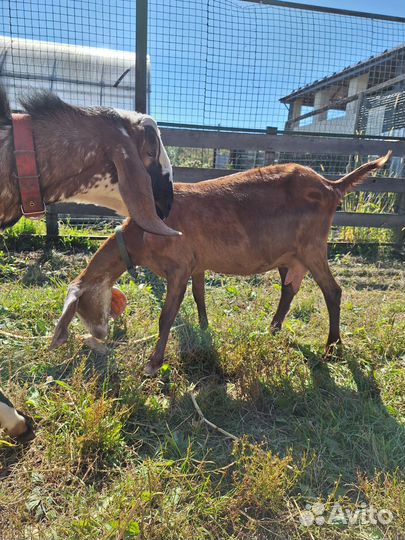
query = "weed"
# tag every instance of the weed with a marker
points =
(118, 456)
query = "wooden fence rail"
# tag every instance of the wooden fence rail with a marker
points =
(302, 143)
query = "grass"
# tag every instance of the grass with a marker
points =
(118, 456)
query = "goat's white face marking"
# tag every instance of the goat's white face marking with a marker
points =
(138, 119)
(133, 116)
(9, 417)
(123, 131)
(102, 193)
(163, 157)
(101, 305)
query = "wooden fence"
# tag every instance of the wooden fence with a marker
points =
(271, 144)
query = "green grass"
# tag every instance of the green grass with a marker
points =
(118, 456)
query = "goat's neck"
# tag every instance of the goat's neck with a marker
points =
(76, 169)
(95, 184)
(106, 265)
(92, 181)
(89, 186)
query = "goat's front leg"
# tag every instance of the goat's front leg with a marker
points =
(287, 295)
(198, 282)
(176, 287)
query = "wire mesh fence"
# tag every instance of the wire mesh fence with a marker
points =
(84, 51)
(230, 63)
(223, 63)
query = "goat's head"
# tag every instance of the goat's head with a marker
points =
(144, 168)
(95, 303)
(156, 161)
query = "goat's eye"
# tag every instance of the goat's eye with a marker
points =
(151, 154)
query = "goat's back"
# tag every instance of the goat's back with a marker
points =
(241, 224)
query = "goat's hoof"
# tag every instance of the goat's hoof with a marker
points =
(275, 328)
(151, 369)
(95, 344)
(333, 351)
(204, 324)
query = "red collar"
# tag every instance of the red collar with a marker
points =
(32, 204)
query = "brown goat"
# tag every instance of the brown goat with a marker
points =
(102, 156)
(272, 217)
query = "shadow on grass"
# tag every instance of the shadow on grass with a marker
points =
(347, 428)
(350, 428)
(199, 357)
(347, 431)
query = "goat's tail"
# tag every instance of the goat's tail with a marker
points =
(5, 112)
(346, 184)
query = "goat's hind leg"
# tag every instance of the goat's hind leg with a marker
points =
(332, 292)
(198, 285)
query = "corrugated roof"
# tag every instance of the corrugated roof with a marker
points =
(346, 73)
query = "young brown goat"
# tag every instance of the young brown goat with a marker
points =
(272, 217)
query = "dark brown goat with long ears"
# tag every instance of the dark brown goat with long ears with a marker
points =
(273, 217)
(102, 156)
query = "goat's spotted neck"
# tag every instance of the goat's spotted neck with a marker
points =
(86, 187)
(94, 181)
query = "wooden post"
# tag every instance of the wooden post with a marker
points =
(52, 226)
(400, 232)
(357, 110)
(270, 155)
(141, 56)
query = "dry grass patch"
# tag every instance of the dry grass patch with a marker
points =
(120, 457)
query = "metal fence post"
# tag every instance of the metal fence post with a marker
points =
(52, 226)
(141, 55)
(400, 233)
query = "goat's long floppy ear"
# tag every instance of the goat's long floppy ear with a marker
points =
(118, 303)
(135, 186)
(69, 309)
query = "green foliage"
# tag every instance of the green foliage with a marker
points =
(25, 226)
(191, 157)
(118, 456)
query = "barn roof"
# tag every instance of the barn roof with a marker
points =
(381, 67)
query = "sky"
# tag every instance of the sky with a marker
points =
(390, 7)
(217, 62)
